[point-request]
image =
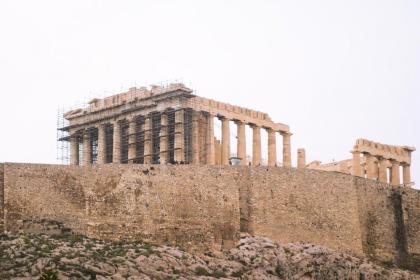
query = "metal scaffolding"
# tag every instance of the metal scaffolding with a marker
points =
(137, 139)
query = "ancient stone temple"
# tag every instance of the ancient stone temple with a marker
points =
(379, 158)
(167, 125)
(375, 161)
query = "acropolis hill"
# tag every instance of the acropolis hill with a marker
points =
(146, 165)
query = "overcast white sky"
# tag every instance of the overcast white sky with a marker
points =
(333, 70)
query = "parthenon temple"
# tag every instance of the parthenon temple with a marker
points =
(379, 162)
(170, 124)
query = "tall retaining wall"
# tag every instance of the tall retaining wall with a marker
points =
(188, 207)
(411, 222)
(203, 207)
(291, 205)
(1, 197)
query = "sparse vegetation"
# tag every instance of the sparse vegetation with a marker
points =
(49, 274)
(78, 257)
(201, 271)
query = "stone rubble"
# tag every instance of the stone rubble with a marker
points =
(69, 256)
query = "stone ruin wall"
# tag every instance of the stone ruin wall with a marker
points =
(157, 204)
(1, 197)
(292, 205)
(201, 207)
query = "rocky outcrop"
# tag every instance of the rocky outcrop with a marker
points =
(69, 256)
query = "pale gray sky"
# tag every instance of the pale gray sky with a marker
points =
(333, 70)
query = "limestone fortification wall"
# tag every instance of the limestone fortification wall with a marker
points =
(307, 205)
(189, 207)
(201, 207)
(411, 220)
(1, 197)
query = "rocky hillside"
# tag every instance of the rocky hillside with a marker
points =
(77, 257)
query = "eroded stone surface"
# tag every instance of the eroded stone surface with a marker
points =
(77, 257)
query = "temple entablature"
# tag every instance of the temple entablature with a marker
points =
(401, 154)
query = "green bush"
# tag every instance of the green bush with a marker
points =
(237, 274)
(201, 271)
(49, 274)
(219, 274)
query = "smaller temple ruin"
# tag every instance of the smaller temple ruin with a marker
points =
(375, 161)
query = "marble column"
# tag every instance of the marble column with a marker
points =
(375, 163)
(301, 158)
(101, 144)
(179, 136)
(356, 167)
(195, 138)
(210, 151)
(74, 149)
(287, 154)
(116, 146)
(406, 175)
(272, 151)
(87, 148)
(132, 148)
(147, 140)
(218, 152)
(163, 153)
(370, 167)
(241, 142)
(395, 179)
(256, 145)
(225, 147)
(389, 171)
(383, 170)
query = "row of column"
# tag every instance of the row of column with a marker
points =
(132, 138)
(376, 168)
(179, 145)
(241, 143)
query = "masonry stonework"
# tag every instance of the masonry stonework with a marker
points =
(172, 125)
(206, 207)
(153, 203)
(304, 205)
(1, 197)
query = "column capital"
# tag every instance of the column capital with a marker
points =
(209, 114)
(269, 129)
(86, 130)
(238, 122)
(75, 134)
(395, 162)
(132, 118)
(117, 121)
(253, 125)
(286, 133)
(100, 125)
